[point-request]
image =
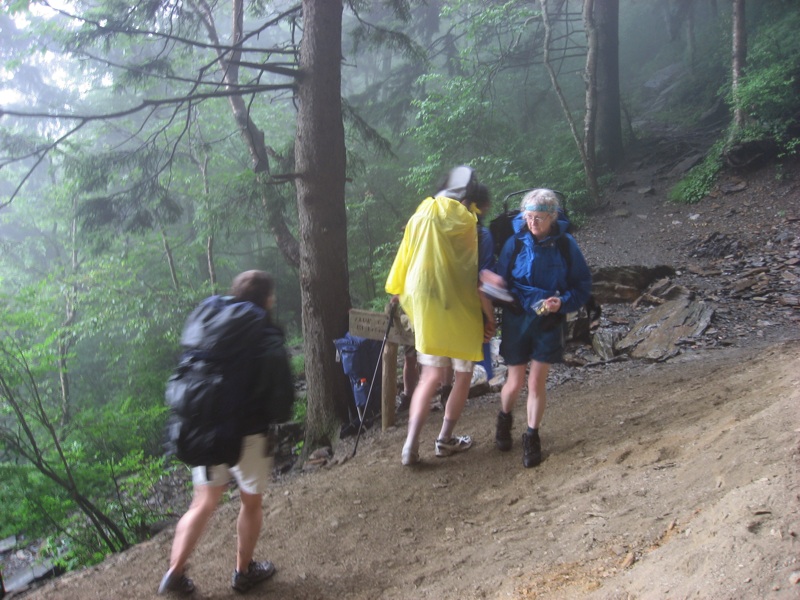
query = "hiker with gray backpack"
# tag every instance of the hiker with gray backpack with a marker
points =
(547, 276)
(232, 383)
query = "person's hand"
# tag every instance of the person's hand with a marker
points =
(553, 304)
(489, 328)
(395, 299)
(492, 278)
(489, 325)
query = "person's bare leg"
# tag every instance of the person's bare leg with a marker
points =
(421, 403)
(410, 373)
(192, 524)
(248, 527)
(509, 393)
(446, 385)
(537, 393)
(455, 404)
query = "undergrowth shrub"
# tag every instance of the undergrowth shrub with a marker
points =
(769, 91)
(700, 180)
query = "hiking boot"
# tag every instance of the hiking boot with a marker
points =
(502, 435)
(256, 573)
(455, 444)
(410, 456)
(175, 583)
(404, 402)
(531, 449)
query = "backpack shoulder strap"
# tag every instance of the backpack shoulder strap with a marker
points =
(512, 259)
(562, 243)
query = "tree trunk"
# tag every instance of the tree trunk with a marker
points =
(320, 165)
(608, 129)
(691, 41)
(202, 165)
(65, 339)
(738, 61)
(212, 270)
(173, 273)
(586, 160)
(590, 115)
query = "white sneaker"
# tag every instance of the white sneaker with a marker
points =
(459, 443)
(410, 456)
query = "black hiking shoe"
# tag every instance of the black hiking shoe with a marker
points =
(531, 449)
(175, 583)
(256, 573)
(404, 402)
(502, 436)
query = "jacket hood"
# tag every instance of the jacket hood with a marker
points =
(461, 182)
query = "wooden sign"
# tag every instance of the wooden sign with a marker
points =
(372, 325)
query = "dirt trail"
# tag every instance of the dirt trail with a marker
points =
(671, 481)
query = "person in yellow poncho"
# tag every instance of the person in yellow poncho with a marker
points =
(435, 279)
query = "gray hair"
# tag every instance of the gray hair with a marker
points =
(539, 200)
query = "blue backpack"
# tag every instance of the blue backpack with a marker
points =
(360, 359)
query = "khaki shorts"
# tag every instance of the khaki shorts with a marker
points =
(461, 366)
(252, 472)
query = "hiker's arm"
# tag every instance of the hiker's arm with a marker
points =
(579, 281)
(489, 324)
(492, 278)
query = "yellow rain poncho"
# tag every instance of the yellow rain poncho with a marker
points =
(435, 273)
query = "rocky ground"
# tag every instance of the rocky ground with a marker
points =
(675, 478)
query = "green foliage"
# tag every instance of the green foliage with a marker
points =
(768, 92)
(451, 110)
(300, 409)
(298, 362)
(770, 97)
(700, 180)
(131, 504)
(17, 513)
(123, 426)
(37, 506)
(98, 455)
(136, 504)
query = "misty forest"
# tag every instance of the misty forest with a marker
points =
(151, 150)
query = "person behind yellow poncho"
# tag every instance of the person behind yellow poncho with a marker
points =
(435, 275)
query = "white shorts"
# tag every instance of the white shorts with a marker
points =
(462, 366)
(252, 472)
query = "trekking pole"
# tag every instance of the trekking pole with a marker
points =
(392, 307)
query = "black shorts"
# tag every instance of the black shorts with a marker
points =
(523, 339)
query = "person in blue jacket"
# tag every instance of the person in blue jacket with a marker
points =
(547, 274)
